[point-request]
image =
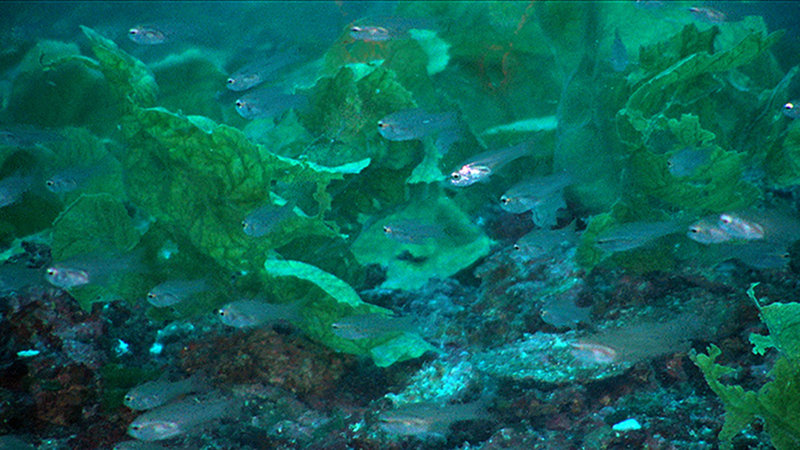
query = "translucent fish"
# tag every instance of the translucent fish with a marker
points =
(268, 102)
(591, 354)
(255, 73)
(792, 109)
(252, 313)
(685, 161)
(70, 179)
(172, 292)
(539, 243)
(541, 195)
(368, 326)
(412, 231)
(152, 394)
(706, 231)
(738, 227)
(482, 166)
(266, 219)
(757, 254)
(563, 312)
(87, 269)
(414, 124)
(180, 417)
(709, 15)
(633, 235)
(384, 29)
(428, 418)
(12, 188)
(148, 35)
(24, 137)
(619, 54)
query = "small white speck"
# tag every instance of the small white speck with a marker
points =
(122, 347)
(156, 348)
(27, 353)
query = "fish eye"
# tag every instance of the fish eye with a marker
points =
(505, 200)
(133, 31)
(136, 427)
(382, 124)
(455, 176)
(789, 106)
(517, 247)
(386, 229)
(335, 326)
(726, 219)
(151, 295)
(356, 29)
(239, 103)
(49, 182)
(51, 271)
(221, 312)
(694, 229)
(231, 81)
(128, 398)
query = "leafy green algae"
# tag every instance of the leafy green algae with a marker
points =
(777, 403)
(457, 244)
(341, 301)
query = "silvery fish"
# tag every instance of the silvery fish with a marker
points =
(543, 196)
(252, 313)
(265, 219)
(792, 109)
(415, 124)
(685, 161)
(148, 35)
(267, 103)
(172, 292)
(632, 235)
(428, 418)
(480, 167)
(152, 394)
(12, 188)
(368, 326)
(180, 417)
(412, 231)
(255, 73)
(70, 179)
(539, 243)
(93, 268)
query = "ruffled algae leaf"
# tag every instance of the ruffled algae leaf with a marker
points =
(128, 76)
(777, 403)
(783, 161)
(204, 178)
(340, 300)
(410, 265)
(652, 95)
(97, 224)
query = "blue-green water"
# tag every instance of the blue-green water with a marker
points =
(399, 225)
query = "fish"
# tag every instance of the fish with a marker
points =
(429, 418)
(619, 54)
(412, 231)
(388, 28)
(543, 196)
(709, 15)
(265, 219)
(539, 243)
(757, 254)
(92, 268)
(480, 167)
(72, 178)
(737, 227)
(12, 187)
(563, 312)
(172, 292)
(252, 313)
(413, 124)
(632, 235)
(267, 103)
(153, 394)
(255, 73)
(707, 231)
(182, 416)
(369, 326)
(686, 160)
(26, 137)
(792, 109)
(148, 35)
(372, 33)
(592, 354)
